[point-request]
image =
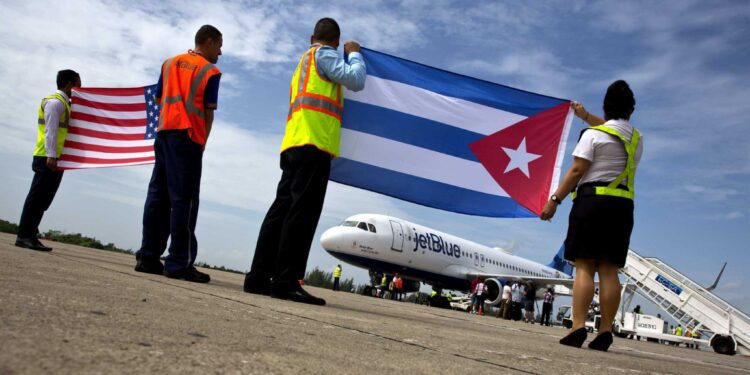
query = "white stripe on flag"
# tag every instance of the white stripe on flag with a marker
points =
(74, 165)
(107, 155)
(122, 115)
(114, 99)
(108, 142)
(427, 104)
(417, 161)
(109, 128)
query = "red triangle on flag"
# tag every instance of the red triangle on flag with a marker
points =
(521, 158)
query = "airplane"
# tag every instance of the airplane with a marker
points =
(387, 244)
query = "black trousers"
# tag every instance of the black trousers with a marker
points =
(44, 186)
(289, 226)
(335, 283)
(171, 208)
(546, 313)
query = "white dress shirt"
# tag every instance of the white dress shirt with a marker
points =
(53, 108)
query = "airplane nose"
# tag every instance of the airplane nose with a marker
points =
(329, 239)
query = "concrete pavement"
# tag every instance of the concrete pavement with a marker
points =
(78, 310)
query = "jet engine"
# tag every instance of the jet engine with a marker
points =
(494, 292)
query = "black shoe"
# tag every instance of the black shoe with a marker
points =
(601, 342)
(40, 245)
(149, 265)
(254, 286)
(189, 274)
(31, 243)
(297, 294)
(575, 338)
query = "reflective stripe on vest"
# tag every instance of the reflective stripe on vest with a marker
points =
(184, 80)
(629, 172)
(316, 105)
(62, 129)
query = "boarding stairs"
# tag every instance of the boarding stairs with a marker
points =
(691, 305)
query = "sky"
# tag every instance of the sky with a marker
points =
(686, 61)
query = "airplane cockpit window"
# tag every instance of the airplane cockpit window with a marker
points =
(362, 225)
(349, 224)
(372, 228)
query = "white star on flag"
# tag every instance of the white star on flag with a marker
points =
(519, 158)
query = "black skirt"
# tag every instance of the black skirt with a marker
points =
(599, 228)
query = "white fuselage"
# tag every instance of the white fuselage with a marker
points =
(388, 244)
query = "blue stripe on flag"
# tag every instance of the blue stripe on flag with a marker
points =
(423, 191)
(412, 130)
(456, 85)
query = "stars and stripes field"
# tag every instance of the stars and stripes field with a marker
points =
(110, 127)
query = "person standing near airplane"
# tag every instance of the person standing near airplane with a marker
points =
(516, 300)
(472, 288)
(506, 301)
(480, 291)
(601, 220)
(311, 140)
(336, 277)
(52, 121)
(188, 91)
(383, 286)
(549, 298)
(528, 303)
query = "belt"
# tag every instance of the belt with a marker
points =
(589, 189)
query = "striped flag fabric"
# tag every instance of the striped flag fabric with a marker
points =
(449, 141)
(110, 127)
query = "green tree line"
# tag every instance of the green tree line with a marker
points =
(323, 279)
(90, 242)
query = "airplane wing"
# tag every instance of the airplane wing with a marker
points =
(541, 281)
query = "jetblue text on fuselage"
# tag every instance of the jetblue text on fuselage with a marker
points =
(435, 243)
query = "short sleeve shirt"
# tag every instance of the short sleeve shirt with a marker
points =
(606, 152)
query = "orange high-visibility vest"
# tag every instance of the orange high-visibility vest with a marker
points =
(184, 80)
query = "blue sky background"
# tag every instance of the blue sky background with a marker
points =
(687, 62)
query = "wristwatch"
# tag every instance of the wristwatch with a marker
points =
(555, 199)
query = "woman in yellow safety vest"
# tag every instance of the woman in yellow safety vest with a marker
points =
(601, 219)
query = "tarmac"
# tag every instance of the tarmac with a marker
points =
(85, 311)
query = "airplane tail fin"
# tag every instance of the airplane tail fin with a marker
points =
(713, 286)
(559, 263)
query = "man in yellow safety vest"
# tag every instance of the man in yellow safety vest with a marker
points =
(336, 277)
(311, 140)
(52, 128)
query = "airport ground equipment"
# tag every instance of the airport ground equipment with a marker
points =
(726, 328)
(652, 328)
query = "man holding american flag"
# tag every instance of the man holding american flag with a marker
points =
(52, 128)
(188, 91)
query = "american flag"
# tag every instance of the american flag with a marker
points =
(111, 128)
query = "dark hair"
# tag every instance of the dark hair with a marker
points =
(64, 77)
(206, 32)
(619, 101)
(326, 30)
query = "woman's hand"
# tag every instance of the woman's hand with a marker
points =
(548, 212)
(579, 110)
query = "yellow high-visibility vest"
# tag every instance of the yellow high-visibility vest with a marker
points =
(315, 108)
(629, 172)
(62, 129)
(337, 272)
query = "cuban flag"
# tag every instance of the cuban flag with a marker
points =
(449, 141)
